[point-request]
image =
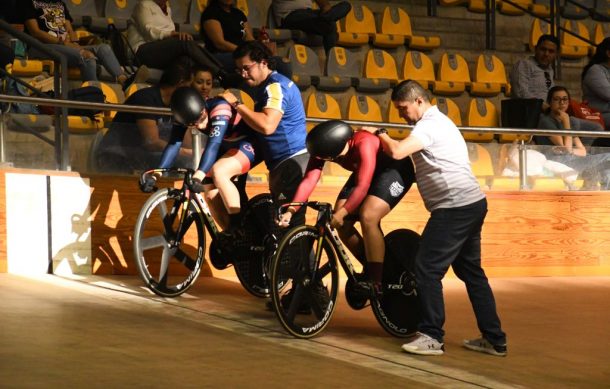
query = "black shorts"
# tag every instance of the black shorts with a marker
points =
(391, 181)
(284, 180)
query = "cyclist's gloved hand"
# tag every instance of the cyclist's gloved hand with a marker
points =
(148, 183)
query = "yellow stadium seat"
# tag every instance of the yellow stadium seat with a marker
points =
(305, 66)
(538, 28)
(417, 66)
(540, 8)
(394, 117)
(489, 77)
(599, 33)
(477, 6)
(392, 24)
(481, 164)
(321, 105)
(26, 67)
(509, 9)
(355, 28)
(365, 108)
(396, 20)
(135, 87)
(113, 93)
(380, 64)
(481, 113)
(242, 5)
(572, 11)
(571, 46)
(449, 108)
(452, 3)
(453, 75)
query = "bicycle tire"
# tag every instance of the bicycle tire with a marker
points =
(251, 252)
(166, 268)
(312, 288)
(397, 311)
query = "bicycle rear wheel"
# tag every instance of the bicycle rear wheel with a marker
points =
(169, 260)
(398, 309)
(303, 290)
(251, 252)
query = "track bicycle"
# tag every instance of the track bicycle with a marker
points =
(306, 264)
(169, 239)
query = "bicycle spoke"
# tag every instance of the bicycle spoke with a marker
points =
(165, 257)
(153, 242)
(323, 271)
(295, 303)
(185, 259)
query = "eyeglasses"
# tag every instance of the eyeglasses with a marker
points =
(564, 99)
(547, 77)
(245, 68)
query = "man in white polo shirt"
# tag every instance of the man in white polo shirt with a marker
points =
(452, 236)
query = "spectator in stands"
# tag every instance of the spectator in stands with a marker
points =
(452, 235)
(299, 15)
(50, 22)
(596, 81)
(223, 28)
(567, 149)
(533, 77)
(203, 80)
(135, 141)
(152, 35)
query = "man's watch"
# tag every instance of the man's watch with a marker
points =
(236, 103)
(381, 131)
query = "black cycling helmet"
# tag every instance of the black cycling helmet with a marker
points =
(186, 104)
(327, 140)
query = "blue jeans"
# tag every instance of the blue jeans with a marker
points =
(88, 67)
(452, 237)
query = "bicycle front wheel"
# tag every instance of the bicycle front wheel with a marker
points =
(304, 281)
(169, 255)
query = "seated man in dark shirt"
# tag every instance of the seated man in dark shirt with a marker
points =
(135, 141)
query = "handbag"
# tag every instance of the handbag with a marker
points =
(582, 110)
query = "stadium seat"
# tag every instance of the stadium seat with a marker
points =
(599, 33)
(25, 67)
(538, 28)
(509, 9)
(418, 66)
(570, 10)
(83, 12)
(477, 6)
(452, 3)
(489, 76)
(321, 105)
(398, 22)
(391, 28)
(541, 8)
(113, 93)
(394, 117)
(364, 108)
(481, 113)
(118, 12)
(21, 122)
(449, 108)
(571, 46)
(305, 66)
(381, 65)
(281, 35)
(193, 26)
(354, 29)
(602, 11)
(343, 65)
(180, 11)
(453, 75)
(135, 87)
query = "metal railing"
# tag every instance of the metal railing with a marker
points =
(197, 141)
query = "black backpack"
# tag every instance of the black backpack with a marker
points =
(91, 94)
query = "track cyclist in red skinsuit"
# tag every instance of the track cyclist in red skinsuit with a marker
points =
(376, 185)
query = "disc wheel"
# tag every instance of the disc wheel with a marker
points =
(306, 269)
(397, 311)
(249, 253)
(169, 257)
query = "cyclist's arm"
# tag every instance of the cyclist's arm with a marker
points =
(172, 149)
(218, 124)
(310, 180)
(367, 153)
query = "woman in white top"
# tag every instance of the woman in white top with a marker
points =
(153, 36)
